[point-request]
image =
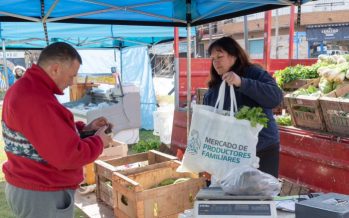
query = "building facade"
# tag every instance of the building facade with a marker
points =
(322, 27)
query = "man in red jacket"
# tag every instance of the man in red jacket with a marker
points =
(45, 152)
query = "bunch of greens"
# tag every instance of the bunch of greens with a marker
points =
(296, 72)
(284, 120)
(308, 91)
(285, 76)
(255, 115)
(143, 146)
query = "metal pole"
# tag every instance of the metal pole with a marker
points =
(291, 34)
(277, 34)
(188, 76)
(267, 35)
(246, 34)
(176, 65)
(210, 32)
(120, 48)
(194, 41)
(5, 62)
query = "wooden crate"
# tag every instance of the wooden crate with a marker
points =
(104, 170)
(77, 91)
(200, 92)
(296, 84)
(137, 197)
(335, 110)
(117, 149)
(287, 89)
(309, 119)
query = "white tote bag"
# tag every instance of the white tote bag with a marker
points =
(217, 141)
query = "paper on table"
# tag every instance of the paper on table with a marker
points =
(286, 205)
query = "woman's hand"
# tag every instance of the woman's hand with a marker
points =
(232, 78)
(96, 124)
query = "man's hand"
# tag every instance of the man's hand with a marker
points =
(232, 78)
(96, 124)
(106, 139)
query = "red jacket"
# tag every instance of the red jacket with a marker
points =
(43, 147)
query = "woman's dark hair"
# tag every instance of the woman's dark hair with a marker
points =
(229, 45)
(59, 51)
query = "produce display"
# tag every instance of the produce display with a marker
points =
(333, 70)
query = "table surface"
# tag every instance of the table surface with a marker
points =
(96, 209)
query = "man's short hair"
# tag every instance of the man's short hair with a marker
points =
(59, 51)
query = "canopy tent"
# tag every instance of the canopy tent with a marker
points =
(136, 12)
(29, 35)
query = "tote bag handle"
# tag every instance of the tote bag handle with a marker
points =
(221, 96)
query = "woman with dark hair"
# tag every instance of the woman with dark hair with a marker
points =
(254, 87)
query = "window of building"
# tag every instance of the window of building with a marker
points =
(255, 48)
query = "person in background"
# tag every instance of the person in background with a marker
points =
(45, 152)
(18, 71)
(254, 87)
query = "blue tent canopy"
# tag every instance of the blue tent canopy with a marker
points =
(30, 35)
(135, 12)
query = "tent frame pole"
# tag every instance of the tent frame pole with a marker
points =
(188, 76)
(176, 65)
(5, 62)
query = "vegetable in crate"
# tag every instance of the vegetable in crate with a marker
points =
(325, 85)
(297, 72)
(169, 181)
(283, 120)
(311, 90)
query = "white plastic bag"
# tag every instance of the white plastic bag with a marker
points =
(217, 141)
(247, 180)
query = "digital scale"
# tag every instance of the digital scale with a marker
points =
(213, 202)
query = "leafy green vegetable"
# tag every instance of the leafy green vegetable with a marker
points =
(284, 120)
(308, 91)
(325, 86)
(255, 115)
(304, 109)
(296, 72)
(143, 146)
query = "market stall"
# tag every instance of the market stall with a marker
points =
(142, 12)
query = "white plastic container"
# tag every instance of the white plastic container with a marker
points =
(128, 136)
(163, 120)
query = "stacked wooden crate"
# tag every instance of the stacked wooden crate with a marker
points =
(335, 110)
(306, 110)
(115, 150)
(104, 170)
(288, 88)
